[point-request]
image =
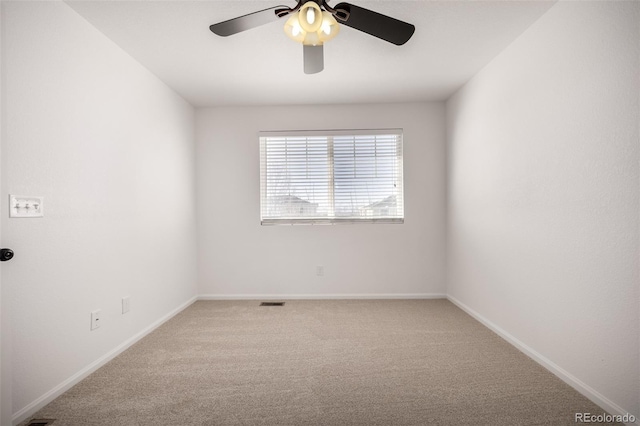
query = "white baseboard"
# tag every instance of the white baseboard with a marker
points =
(36, 405)
(565, 376)
(322, 296)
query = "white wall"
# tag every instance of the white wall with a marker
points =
(111, 149)
(543, 196)
(238, 256)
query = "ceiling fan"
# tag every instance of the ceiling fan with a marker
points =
(312, 22)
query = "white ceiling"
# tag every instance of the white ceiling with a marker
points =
(452, 42)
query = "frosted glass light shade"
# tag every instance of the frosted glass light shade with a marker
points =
(329, 27)
(310, 17)
(311, 39)
(293, 30)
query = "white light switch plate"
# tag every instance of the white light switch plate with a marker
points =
(26, 206)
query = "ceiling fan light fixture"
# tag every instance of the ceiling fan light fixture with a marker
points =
(314, 23)
(326, 28)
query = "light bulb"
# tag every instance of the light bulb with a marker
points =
(326, 28)
(311, 16)
(295, 30)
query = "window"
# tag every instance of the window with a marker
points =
(346, 176)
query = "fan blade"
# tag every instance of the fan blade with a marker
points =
(252, 20)
(375, 24)
(313, 59)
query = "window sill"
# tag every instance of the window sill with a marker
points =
(268, 222)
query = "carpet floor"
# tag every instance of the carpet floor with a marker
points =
(320, 362)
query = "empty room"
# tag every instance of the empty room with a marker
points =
(319, 213)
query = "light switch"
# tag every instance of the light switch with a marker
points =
(24, 206)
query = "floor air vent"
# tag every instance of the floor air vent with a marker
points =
(41, 422)
(272, 304)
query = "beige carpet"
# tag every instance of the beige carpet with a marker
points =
(339, 362)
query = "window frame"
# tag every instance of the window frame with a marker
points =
(330, 134)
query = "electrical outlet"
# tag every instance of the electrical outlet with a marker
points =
(320, 271)
(126, 304)
(95, 319)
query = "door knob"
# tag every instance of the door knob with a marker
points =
(6, 254)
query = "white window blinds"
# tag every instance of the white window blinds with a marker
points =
(347, 176)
